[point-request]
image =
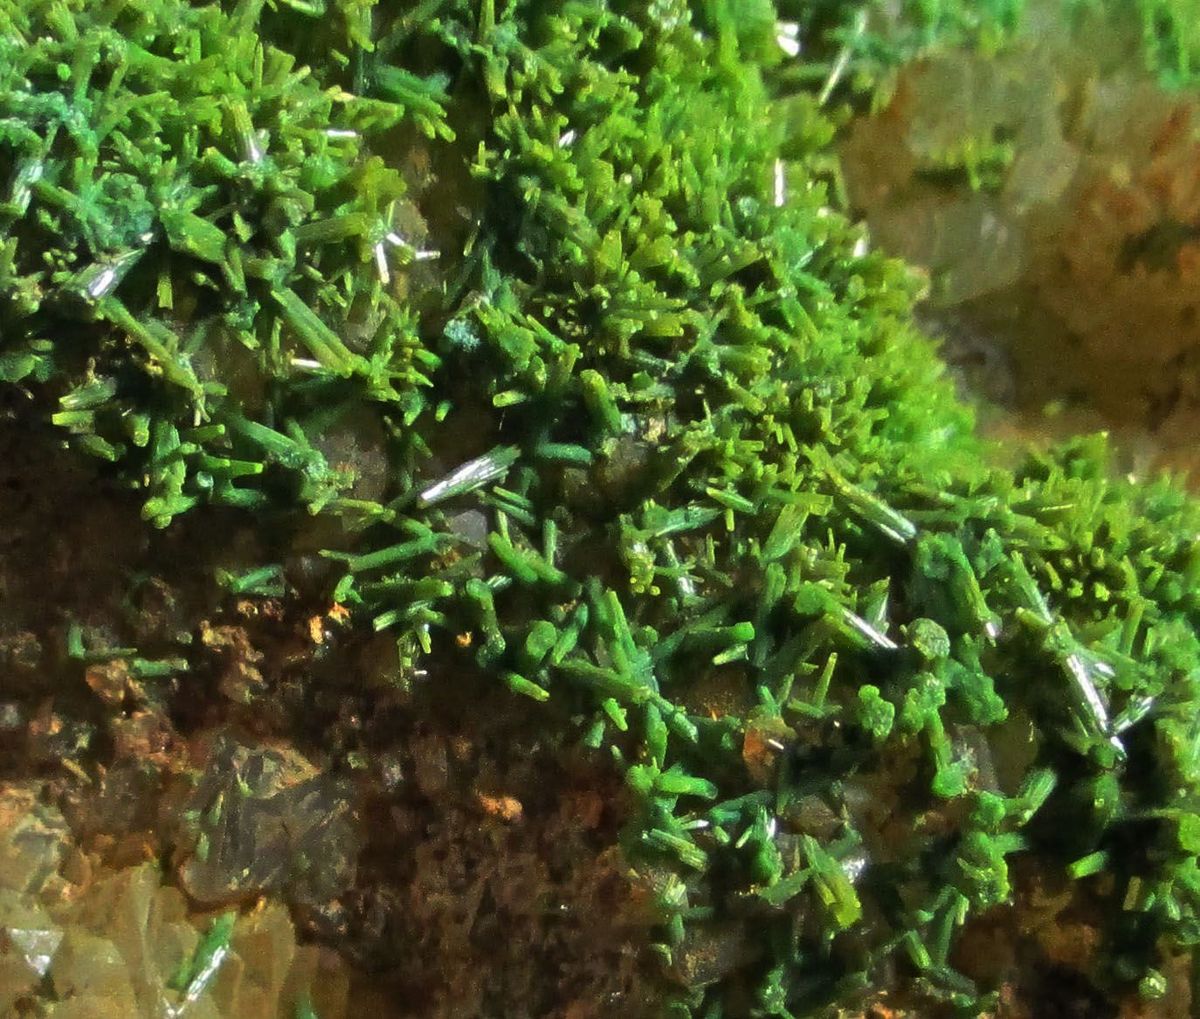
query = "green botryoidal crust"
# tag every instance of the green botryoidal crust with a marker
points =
(659, 436)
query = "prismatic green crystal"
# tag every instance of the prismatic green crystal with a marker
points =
(521, 412)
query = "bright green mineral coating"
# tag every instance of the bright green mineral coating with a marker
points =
(706, 443)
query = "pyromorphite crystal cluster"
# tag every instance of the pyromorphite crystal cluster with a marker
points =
(538, 321)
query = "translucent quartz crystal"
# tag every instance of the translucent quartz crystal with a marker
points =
(33, 839)
(1050, 192)
(28, 941)
(268, 822)
(123, 945)
(90, 968)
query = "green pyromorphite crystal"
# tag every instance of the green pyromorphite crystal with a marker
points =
(653, 422)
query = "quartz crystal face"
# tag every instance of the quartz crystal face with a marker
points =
(268, 822)
(1048, 191)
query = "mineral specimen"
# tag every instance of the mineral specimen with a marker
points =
(466, 477)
